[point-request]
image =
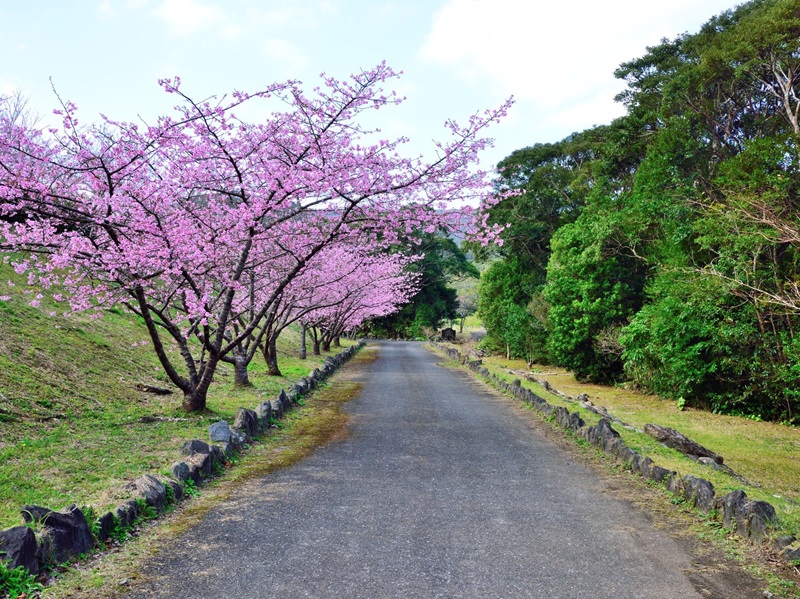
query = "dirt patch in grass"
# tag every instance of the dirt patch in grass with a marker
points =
(320, 421)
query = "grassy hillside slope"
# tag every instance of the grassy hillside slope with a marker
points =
(71, 415)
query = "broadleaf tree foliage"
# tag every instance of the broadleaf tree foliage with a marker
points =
(673, 262)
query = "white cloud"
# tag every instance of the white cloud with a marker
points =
(556, 58)
(551, 52)
(105, 9)
(185, 17)
(7, 88)
(289, 57)
(108, 9)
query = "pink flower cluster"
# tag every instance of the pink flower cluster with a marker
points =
(209, 226)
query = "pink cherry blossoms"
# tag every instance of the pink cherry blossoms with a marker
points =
(219, 232)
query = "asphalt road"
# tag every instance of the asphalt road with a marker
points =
(441, 490)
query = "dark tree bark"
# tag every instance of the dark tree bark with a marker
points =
(271, 357)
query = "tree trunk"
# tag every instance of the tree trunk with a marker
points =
(337, 341)
(678, 441)
(194, 400)
(271, 357)
(303, 342)
(240, 377)
(326, 345)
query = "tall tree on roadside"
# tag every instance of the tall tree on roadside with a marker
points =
(545, 185)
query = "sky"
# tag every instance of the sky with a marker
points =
(458, 57)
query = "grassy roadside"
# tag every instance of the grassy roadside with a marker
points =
(320, 421)
(73, 423)
(763, 453)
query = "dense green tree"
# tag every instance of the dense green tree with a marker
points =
(671, 237)
(548, 184)
(544, 178)
(718, 328)
(504, 292)
(592, 288)
(440, 261)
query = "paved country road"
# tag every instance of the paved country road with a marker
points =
(440, 490)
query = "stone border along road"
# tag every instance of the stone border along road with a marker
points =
(440, 490)
(752, 520)
(67, 535)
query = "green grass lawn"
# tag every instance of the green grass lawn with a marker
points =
(70, 410)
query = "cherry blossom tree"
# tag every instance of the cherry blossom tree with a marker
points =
(180, 219)
(335, 273)
(340, 280)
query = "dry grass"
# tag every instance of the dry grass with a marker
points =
(764, 453)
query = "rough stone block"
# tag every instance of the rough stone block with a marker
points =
(180, 471)
(601, 433)
(239, 438)
(699, 493)
(152, 490)
(264, 413)
(219, 432)
(674, 485)
(277, 409)
(177, 488)
(791, 555)
(218, 458)
(659, 474)
(18, 548)
(754, 519)
(201, 466)
(613, 445)
(576, 422)
(783, 542)
(757, 528)
(105, 526)
(561, 416)
(728, 506)
(228, 450)
(127, 513)
(68, 532)
(630, 456)
(247, 421)
(195, 446)
(642, 466)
